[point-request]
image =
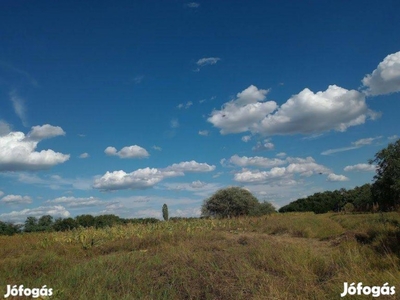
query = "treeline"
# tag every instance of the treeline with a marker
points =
(47, 223)
(359, 199)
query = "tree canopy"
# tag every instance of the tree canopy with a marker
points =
(386, 188)
(233, 202)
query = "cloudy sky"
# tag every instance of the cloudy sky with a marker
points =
(121, 107)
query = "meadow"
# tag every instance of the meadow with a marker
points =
(278, 256)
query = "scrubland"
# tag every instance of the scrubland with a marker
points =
(279, 256)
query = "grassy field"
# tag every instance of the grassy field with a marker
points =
(280, 256)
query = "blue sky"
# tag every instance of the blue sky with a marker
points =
(122, 107)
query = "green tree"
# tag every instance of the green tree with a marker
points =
(86, 220)
(31, 224)
(107, 221)
(229, 202)
(65, 224)
(45, 223)
(386, 188)
(9, 228)
(165, 212)
(264, 208)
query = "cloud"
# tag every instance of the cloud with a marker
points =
(244, 112)
(46, 131)
(191, 166)
(134, 151)
(256, 161)
(19, 106)
(17, 153)
(21, 73)
(366, 141)
(139, 179)
(198, 184)
(84, 155)
(1, 193)
(246, 138)
(250, 176)
(203, 132)
(361, 168)
(16, 199)
(73, 202)
(304, 113)
(138, 79)
(5, 128)
(185, 106)
(157, 148)
(309, 113)
(147, 177)
(207, 61)
(331, 151)
(355, 145)
(174, 123)
(333, 177)
(393, 137)
(193, 5)
(385, 79)
(20, 216)
(198, 188)
(266, 145)
(54, 182)
(281, 154)
(302, 166)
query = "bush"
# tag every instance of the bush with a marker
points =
(230, 202)
(264, 208)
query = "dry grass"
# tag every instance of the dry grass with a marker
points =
(290, 256)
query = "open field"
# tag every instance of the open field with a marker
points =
(280, 256)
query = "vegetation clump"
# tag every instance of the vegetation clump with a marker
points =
(234, 202)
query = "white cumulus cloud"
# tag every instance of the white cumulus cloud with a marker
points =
(361, 168)
(191, 166)
(334, 177)
(134, 151)
(139, 179)
(309, 113)
(76, 202)
(385, 79)
(147, 177)
(256, 161)
(244, 112)
(295, 166)
(84, 155)
(17, 152)
(16, 199)
(46, 131)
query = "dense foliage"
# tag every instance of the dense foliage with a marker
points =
(47, 223)
(234, 202)
(386, 188)
(359, 197)
(165, 212)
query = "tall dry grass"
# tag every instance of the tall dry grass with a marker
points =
(281, 256)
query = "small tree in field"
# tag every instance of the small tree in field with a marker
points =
(230, 202)
(165, 212)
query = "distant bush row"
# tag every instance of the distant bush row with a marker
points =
(47, 223)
